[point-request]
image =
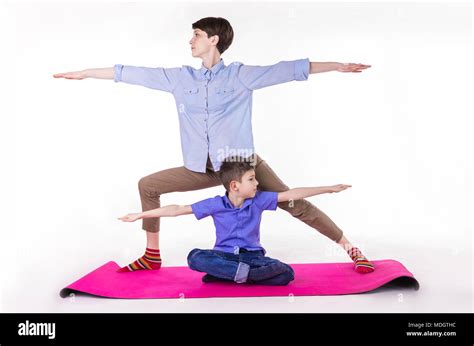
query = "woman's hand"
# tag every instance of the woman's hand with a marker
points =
(71, 75)
(350, 67)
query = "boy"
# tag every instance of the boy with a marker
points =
(237, 255)
(214, 107)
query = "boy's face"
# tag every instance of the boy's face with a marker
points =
(201, 44)
(248, 187)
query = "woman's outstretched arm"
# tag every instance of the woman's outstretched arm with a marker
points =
(98, 73)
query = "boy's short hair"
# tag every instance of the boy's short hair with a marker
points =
(217, 26)
(234, 168)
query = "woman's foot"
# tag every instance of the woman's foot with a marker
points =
(151, 260)
(362, 264)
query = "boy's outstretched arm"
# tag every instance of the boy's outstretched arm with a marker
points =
(303, 192)
(169, 210)
(99, 73)
(318, 67)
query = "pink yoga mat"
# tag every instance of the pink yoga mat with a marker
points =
(181, 282)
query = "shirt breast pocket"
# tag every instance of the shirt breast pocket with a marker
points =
(191, 96)
(224, 92)
(224, 96)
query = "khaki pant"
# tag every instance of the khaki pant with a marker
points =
(181, 179)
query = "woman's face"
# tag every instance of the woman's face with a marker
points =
(200, 43)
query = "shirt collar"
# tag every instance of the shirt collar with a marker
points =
(229, 204)
(214, 69)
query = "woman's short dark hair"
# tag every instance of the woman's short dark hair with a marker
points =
(217, 26)
(234, 168)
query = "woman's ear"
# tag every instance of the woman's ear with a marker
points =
(214, 40)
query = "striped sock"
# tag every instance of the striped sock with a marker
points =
(149, 261)
(362, 264)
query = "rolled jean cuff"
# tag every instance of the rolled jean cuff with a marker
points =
(242, 273)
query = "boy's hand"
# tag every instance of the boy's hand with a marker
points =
(350, 67)
(338, 188)
(131, 217)
(71, 75)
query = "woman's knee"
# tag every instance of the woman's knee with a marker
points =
(143, 184)
(145, 187)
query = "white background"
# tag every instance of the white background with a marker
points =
(73, 151)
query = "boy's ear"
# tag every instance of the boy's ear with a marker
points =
(233, 185)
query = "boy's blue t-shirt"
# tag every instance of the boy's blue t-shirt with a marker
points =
(236, 227)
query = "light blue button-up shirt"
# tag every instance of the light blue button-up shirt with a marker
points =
(236, 228)
(214, 105)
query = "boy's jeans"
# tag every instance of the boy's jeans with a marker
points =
(247, 266)
(180, 179)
